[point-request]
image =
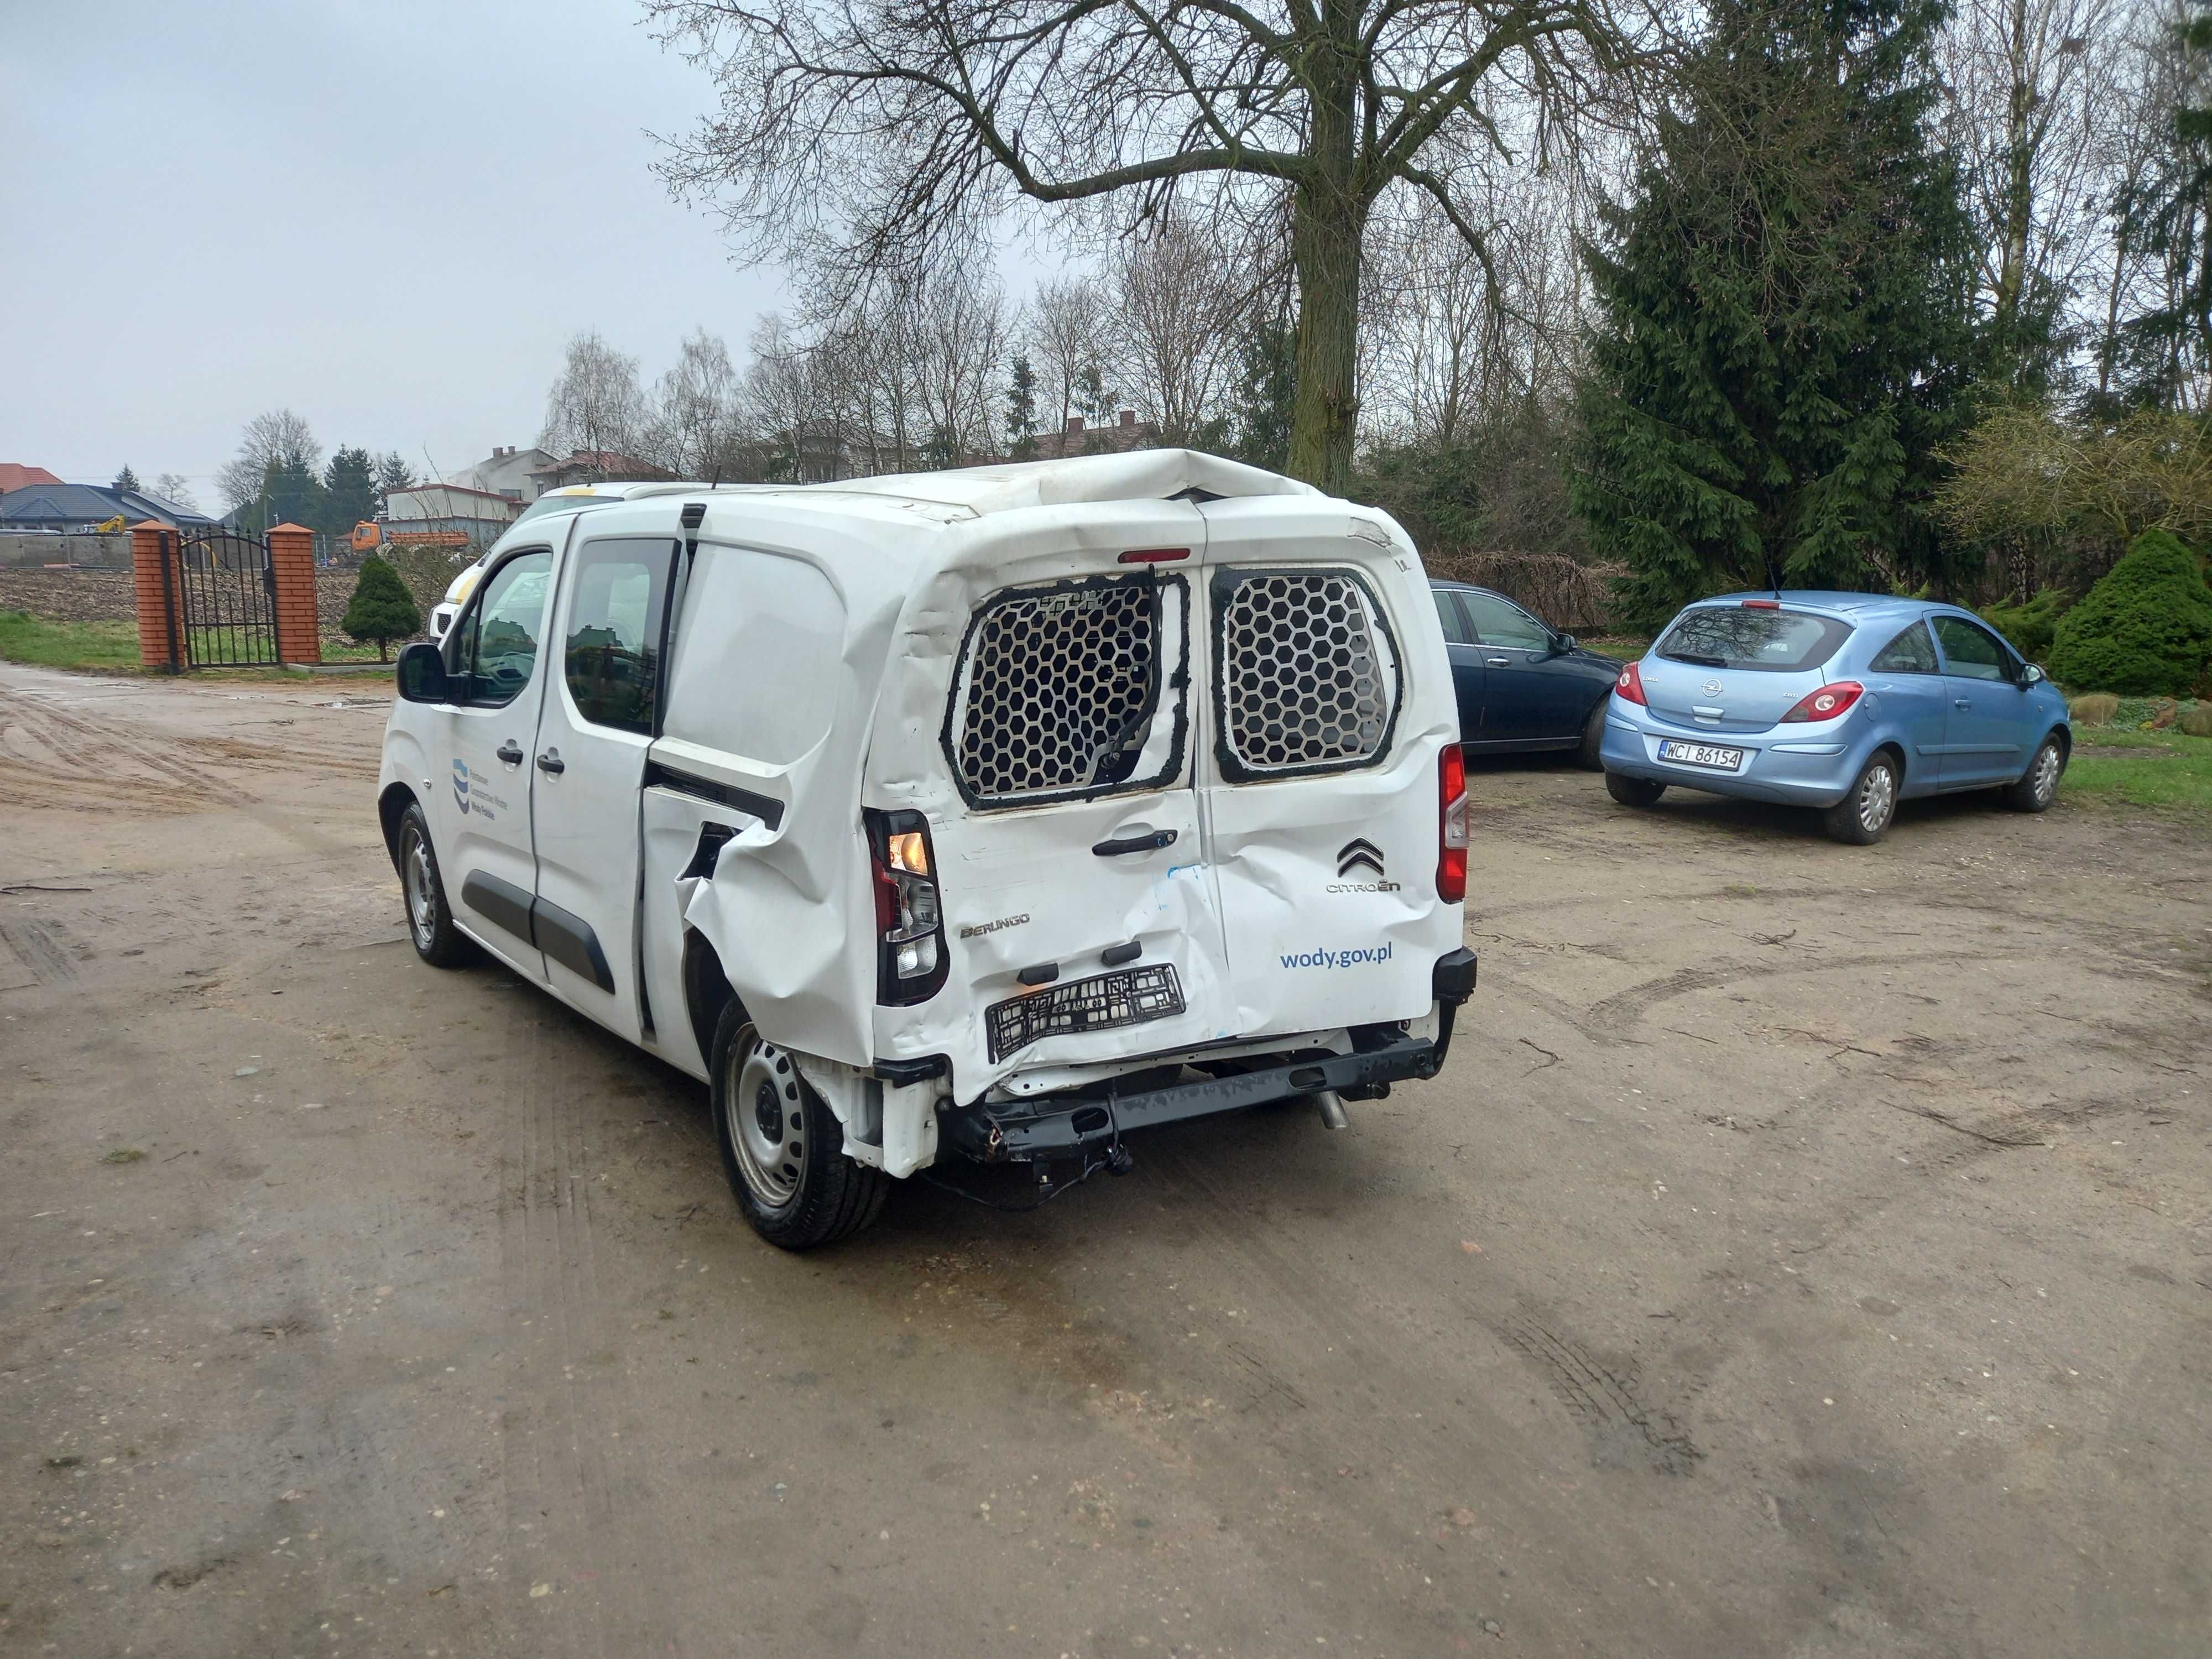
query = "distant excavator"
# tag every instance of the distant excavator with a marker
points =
(113, 526)
(368, 536)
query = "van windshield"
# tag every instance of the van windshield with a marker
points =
(1765, 641)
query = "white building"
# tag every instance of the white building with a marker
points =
(480, 514)
(504, 473)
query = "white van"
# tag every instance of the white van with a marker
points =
(999, 812)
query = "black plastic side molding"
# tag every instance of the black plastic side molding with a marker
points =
(561, 935)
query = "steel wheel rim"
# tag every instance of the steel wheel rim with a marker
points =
(763, 1120)
(2046, 772)
(422, 906)
(1876, 799)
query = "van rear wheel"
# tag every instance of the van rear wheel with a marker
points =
(782, 1148)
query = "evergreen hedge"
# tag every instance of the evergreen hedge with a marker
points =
(2032, 626)
(2144, 630)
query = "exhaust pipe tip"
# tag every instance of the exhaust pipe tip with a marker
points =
(1332, 1109)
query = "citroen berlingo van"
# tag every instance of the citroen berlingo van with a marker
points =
(998, 812)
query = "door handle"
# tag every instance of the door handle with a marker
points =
(1151, 843)
(511, 752)
(1499, 662)
(1962, 702)
(551, 764)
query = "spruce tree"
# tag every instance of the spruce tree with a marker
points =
(126, 479)
(348, 493)
(1785, 329)
(382, 608)
(1021, 411)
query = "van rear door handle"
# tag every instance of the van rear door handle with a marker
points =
(551, 764)
(511, 752)
(1151, 843)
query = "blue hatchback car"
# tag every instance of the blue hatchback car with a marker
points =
(1848, 703)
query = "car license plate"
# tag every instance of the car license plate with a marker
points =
(1701, 754)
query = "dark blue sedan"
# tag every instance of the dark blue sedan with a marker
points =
(1521, 685)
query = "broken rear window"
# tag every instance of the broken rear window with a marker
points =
(1059, 691)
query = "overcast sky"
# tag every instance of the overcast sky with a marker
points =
(388, 215)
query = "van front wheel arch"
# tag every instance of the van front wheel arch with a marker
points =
(782, 1148)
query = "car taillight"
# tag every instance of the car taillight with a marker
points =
(1628, 685)
(1830, 701)
(910, 957)
(1451, 825)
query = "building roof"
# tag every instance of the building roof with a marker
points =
(13, 475)
(89, 504)
(455, 489)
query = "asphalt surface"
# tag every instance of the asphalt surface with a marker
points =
(1808, 1250)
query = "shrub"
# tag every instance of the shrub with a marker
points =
(2197, 722)
(382, 608)
(2030, 627)
(2145, 629)
(2097, 708)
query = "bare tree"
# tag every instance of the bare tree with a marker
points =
(176, 490)
(1178, 309)
(1067, 337)
(961, 336)
(279, 438)
(691, 430)
(2028, 90)
(883, 132)
(594, 405)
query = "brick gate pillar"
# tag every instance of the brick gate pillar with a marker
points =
(158, 588)
(299, 628)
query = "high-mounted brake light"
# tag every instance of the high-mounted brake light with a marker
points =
(1762, 604)
(1153, 555)
(1451, 825)
(911, 962)
(1628, 685)
(1826, 703)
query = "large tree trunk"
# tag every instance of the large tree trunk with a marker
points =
(1328, 219)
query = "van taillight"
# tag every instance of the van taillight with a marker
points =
(1451, 819)
(1628, 685)
(910, 957)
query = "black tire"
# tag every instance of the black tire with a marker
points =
(782, 1148)
(2036, 788)
(429, 917)
(1633, 791)
(1863, 816)
(1594, 737)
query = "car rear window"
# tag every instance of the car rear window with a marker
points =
(1766, 641)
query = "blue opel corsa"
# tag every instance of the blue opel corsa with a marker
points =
(1848, 703)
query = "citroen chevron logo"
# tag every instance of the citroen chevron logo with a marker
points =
(1357, 854)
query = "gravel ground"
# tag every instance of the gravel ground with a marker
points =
(1807, 1251)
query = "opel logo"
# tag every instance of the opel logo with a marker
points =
(1711, 688)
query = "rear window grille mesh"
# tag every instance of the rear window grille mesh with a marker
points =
(1059, 692)
(1307, 675)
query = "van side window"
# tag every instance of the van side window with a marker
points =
(1910, 653)
(496, 643)
(612, 654)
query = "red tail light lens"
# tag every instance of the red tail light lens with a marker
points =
(911, 963)
(1826, 703)
(1451, 825)
(1629, 686)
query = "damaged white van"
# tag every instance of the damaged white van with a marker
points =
(997, 812)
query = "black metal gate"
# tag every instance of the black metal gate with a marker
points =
(223, 589)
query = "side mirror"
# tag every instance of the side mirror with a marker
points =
(2031, 675)
(1562, 643)
(422, 676)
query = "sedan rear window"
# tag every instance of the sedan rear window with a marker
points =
(1767, 642)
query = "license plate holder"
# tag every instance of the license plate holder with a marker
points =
(1104, 1002)
(1712, 757)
